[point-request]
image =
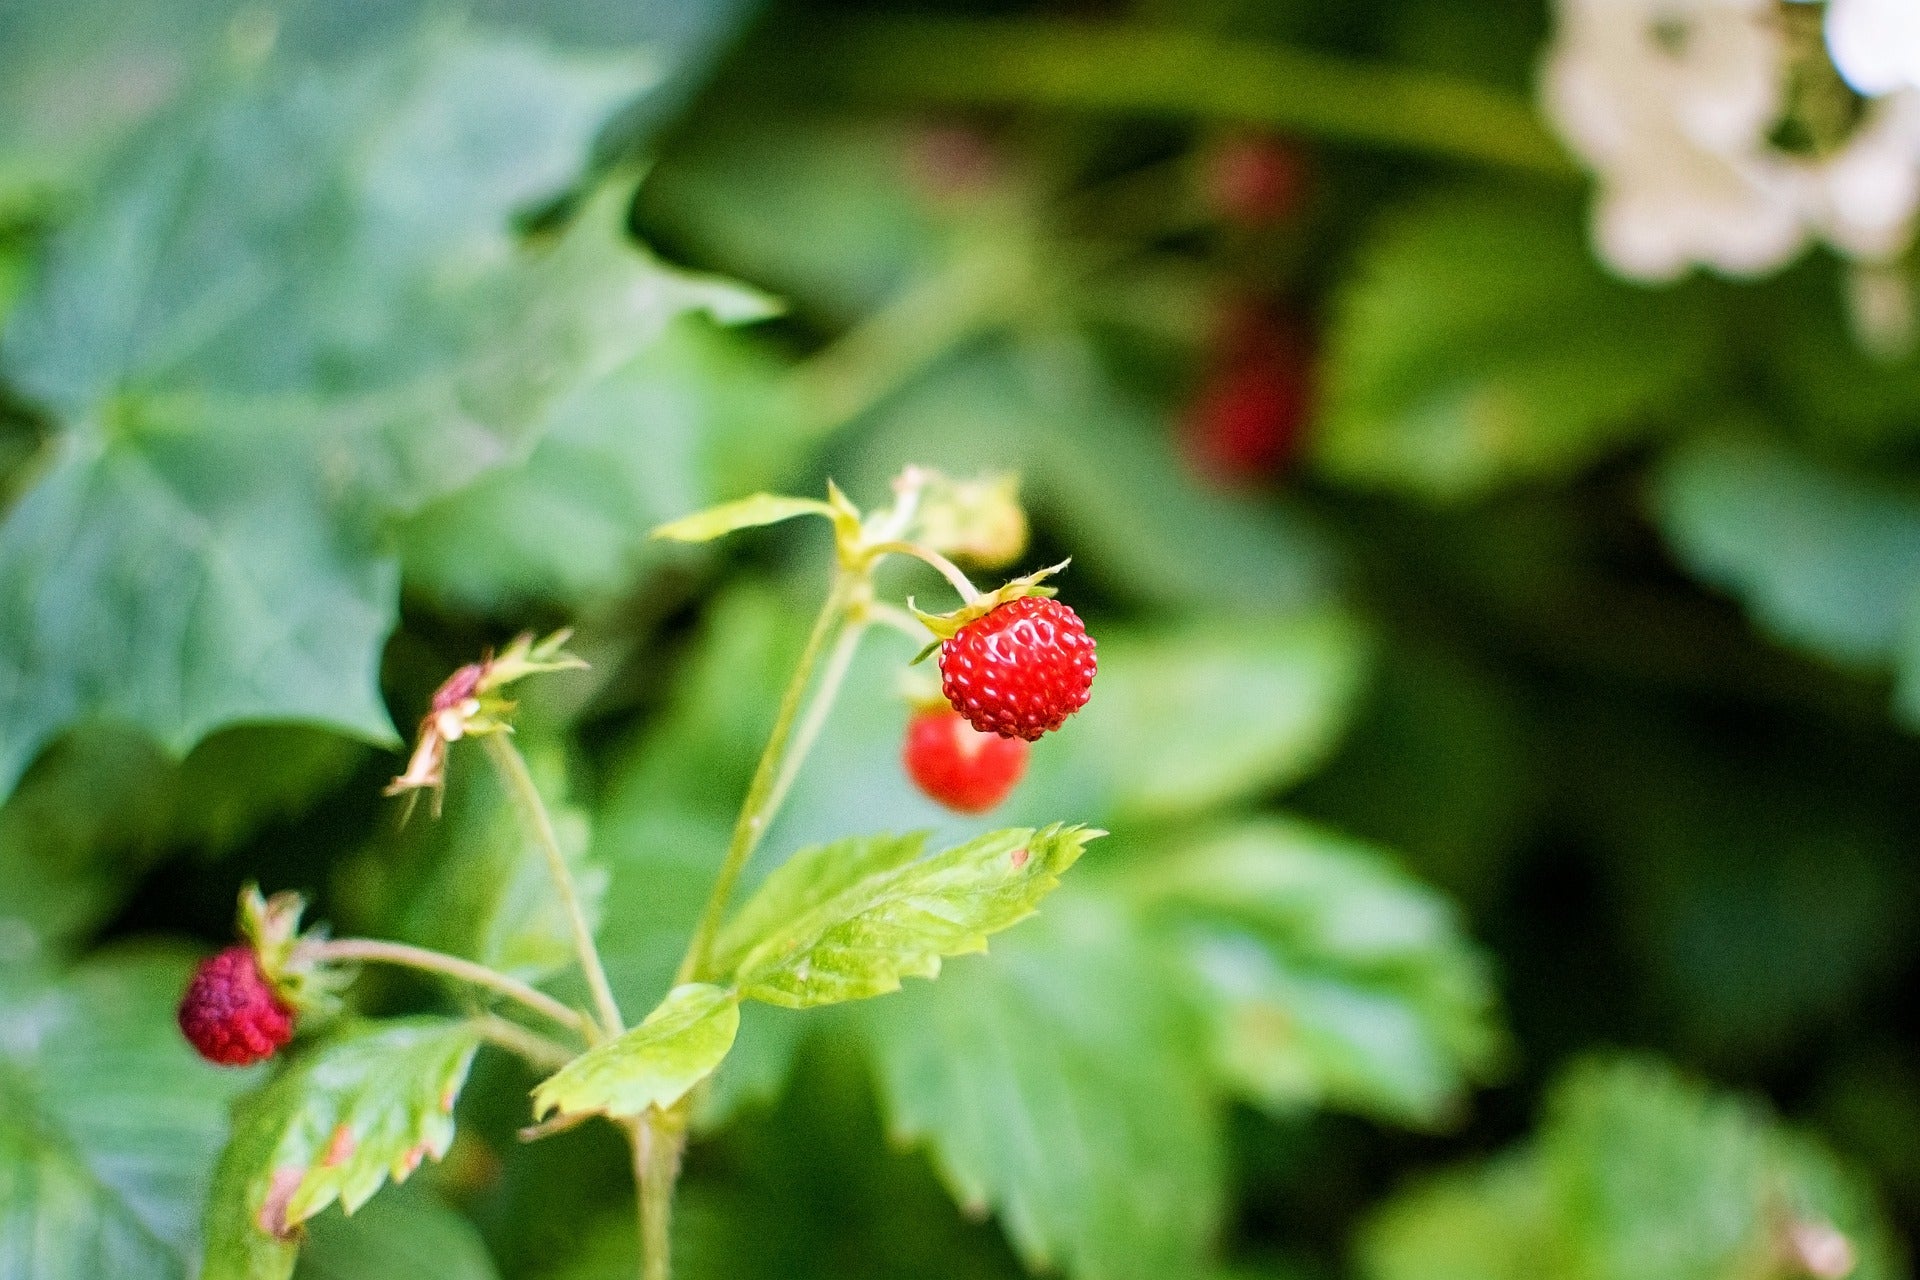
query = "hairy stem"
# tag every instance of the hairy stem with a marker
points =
(757, 811)
(543, 1054)
(377, 951)
(533, 810)
(948, 569)
(657, 1143)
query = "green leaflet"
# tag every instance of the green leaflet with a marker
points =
(1060, 1084)
(824, 933)
(1457, 364)
(653, 1065)
(348, 1114)
(1636, 1174)
(311, 351)
(109, 1124)
(745, 513)
(1327, 977)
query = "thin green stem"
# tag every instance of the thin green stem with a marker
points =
(1173, 72)
(832, 676)
(542, 1053)
(948, 569)
(533, 810)
(379, 951)
(756, 814)
(657, 1143)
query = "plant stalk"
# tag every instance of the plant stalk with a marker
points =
(658, 1140)
(757, 811)
(533, 810)
(537, 1050)
(378, 951)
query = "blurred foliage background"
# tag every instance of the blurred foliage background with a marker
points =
(1508, 670)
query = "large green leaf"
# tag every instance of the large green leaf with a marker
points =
(1822, 557)
(819, 932)
(1477, 343)
(109, 1124)
(1058, 1084)
(367, 1105)
(249, 361)
(1327, 977)
(652, 1066)
(697, 417)
(1636, 1174)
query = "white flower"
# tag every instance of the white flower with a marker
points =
(1672, 103)
(1875, 43)
(1668, 100)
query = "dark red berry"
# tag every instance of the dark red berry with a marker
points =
(1256, 181)
(1250, 415)
(959, 766)
(231, 1013)
(1021, 670)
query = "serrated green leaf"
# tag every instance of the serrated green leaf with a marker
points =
(1058, 1084)
(1477, 343)
(1328, 978)
(108, 1124)
(744, 513)
(806, 880)
(826, 938)
(365, 1106)
(256, 408)
(1636, 1174)
(653, 1065)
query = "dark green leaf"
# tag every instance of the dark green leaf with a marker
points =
(1057, 1084)
(403, 1235)
(109, 1125)
(1327, 977)
(1478, 343)
(653, 1065)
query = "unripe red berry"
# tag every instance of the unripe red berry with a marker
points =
(1021, 670)
(959, 766)
(231, 1013)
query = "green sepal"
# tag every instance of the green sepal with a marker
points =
(947, 625)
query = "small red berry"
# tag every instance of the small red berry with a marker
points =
(1256, 181)
(1250, 415)
(231, 1013)
(1021, 670)
(957, 765)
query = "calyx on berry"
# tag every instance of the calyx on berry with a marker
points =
(945, 626)
(242, 1005)
(1021, 669)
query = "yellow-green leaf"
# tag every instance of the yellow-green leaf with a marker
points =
(834, 933)
(744, 513)
(653, 1065)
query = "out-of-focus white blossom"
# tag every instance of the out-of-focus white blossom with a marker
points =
(1875, 43)
(1673, 104)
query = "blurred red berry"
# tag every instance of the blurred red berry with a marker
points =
(1021, 670)
(959, 766)
(231, 1013)
(1250, 414)
(1255, 181)
(954, 163)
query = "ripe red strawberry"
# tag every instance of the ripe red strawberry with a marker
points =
(231, 1013)
(959, 766)
(1021, 670)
